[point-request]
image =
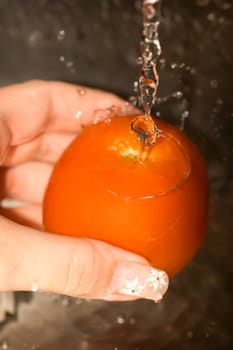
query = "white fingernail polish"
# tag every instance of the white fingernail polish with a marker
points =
(139, 281)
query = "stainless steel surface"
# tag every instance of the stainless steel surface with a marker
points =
(101, 39)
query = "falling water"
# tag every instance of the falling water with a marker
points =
(144, 126)
(150, 52)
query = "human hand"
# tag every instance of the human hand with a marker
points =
(38, 120)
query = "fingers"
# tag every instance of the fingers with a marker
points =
(46, 148)
(30, 215)
(5, 139)
(72, 107)
(79, 267)
(26, 182)
(32, 108)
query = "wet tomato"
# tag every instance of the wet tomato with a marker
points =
(153, 204)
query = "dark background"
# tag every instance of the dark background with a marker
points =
(99, 49)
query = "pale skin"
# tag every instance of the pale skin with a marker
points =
(38, 120)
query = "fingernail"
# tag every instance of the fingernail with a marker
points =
(139, 281)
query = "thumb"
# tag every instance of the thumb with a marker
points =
(5, 138)
(31, 260)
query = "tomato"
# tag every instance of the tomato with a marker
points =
(154, 204)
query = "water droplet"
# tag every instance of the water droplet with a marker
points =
(219, 101)
(81, 91)
(113, 110)
(139, 60)
(177, 94)
(199, 92)
(106, 114)
(98, 115)
(183, 118)
(133, 100)
(128, 109)
(193, 71)
(34, 347)
(189, 334)
(61, 58)
(162, 61)
(34, 287)
(120, 319)
(84, 345)
(202, 2)
(211, 16)
(61, 35)
(221, 20)
(135, 86)
(78, 301)
(185, 114)
(173, 65)
(224, 5)
(78, 114)
(214, 84)
(65, 302)
(4, 345)
(34, 37)
(70, 64)
(132, 321)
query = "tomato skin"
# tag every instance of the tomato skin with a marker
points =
(167, 229)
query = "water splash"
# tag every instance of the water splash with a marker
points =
(106, 114)
(145, 129)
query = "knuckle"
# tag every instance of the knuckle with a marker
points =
(81, 277)
(13, 183)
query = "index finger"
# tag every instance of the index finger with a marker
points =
(34, 107)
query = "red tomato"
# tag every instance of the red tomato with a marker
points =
(155, 206)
